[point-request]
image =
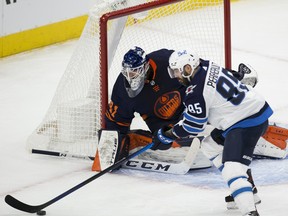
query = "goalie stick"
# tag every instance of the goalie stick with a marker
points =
(17, 204)
(167, 167)
(180, 168)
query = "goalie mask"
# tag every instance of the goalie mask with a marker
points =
(182, 65)
(134, 68)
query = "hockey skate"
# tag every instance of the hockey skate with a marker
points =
(253, 213)
(250, 76)
(232, 205)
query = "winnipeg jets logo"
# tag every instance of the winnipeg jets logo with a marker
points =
(180, 53)
(189, 89)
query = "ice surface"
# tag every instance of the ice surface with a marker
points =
(27, 85)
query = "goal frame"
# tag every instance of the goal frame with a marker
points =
(140, 8)
(77, 112)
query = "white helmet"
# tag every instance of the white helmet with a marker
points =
(179, 59)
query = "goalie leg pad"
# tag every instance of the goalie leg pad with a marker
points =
(110, 149)
(266, 149)
(273, 144)
(277, 136)
(139, 138)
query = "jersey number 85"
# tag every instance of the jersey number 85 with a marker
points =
(230, 89)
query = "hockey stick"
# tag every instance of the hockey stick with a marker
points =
(167, 167)
(15, 203)
(62, 154)
(180, 168)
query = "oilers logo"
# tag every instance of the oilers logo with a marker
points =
(167, 104)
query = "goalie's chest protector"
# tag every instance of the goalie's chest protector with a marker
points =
(159, 102)
(161, 96)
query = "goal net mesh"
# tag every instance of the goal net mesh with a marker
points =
(74, 117)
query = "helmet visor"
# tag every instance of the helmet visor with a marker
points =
(133, 73)
(135, 78)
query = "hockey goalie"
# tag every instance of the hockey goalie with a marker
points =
(143, 86)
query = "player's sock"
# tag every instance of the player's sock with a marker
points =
(230, 200)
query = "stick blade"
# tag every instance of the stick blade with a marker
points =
(13, 202)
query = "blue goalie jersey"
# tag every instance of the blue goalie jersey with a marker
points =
(159, 103)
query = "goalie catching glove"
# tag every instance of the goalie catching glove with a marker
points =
(163, 138)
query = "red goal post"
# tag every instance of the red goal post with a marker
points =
(76, 112)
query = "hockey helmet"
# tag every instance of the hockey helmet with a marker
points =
(134, 68)
(178, 62)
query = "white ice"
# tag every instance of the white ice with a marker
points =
(27, 85)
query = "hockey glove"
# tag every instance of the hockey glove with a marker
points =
(250, 76)
(163, 139)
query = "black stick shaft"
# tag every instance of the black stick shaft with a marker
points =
(17, 204)
(61, 154)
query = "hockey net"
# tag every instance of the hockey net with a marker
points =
(75, 115)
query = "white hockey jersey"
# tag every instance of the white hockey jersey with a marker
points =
(216, 97)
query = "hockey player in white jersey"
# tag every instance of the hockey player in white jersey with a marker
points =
(214, 96)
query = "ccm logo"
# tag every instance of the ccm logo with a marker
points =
(147, 165)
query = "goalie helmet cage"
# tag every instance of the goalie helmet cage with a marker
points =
(77, 110)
